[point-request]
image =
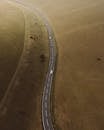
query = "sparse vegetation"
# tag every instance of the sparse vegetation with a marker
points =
(20, 108)
(79, 91)
(11, 43)
(42, 57)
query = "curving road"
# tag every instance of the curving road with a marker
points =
(46, 102)
(46, 99)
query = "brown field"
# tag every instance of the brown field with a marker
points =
(20, 107)
(79, 85)
(78, 92)
(11, 42)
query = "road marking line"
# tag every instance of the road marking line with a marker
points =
(45, 105)
(46, 113)
(47, 90)
(50, 37)
(46, 97)
(47, 122)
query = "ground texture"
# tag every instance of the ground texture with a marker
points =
(78, 93)
(20, 106)
(11, 42)
(79, 85)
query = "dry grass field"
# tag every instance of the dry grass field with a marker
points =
(20, 107)
(79, 85)
(11, 42)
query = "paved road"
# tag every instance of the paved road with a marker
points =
(46, 100)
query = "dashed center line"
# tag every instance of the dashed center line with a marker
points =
(45, 104)
(47, 90)
(46, 97)
(46, 113)
(47, 122)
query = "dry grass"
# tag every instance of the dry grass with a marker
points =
(11, 42)
(21, 107)
(79, 30)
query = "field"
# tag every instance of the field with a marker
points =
(20, 106)
(78, 92)
(11, 42)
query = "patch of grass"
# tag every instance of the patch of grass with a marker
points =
(78, 93)
(21, 109)
(11, 42)
(80, 72)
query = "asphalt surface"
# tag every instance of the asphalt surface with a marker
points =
(46, 99)
(46, 102)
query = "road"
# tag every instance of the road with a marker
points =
(46, 102)
(46, 99)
